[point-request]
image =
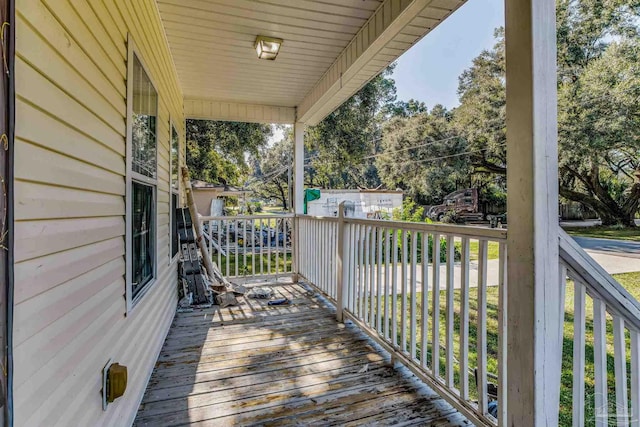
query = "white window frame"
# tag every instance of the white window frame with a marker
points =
(172, 190)
(132, 176)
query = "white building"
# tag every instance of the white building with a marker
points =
(365, 203)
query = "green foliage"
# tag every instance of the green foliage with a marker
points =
(421, 156)
(338, 148)
(599, 133)
(409, 211)
(412, 212)
(216, 150)
(480, 118)
(271, 169)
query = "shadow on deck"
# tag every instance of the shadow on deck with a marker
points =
(281, 365)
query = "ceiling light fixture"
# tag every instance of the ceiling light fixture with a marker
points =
(267, 47)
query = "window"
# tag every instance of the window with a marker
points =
(145, 112)
(143, 236)
(175, 186)
(142, 107)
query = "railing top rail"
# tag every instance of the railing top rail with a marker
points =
(598, 281)
(319, 218)
(496, 234)
(244, 217)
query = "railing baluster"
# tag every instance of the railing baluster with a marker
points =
(372, 277)
(620, 363)
(360, 268)
(237, 254)
(435, 309)
(502, 335)
(253, 248)
(299, 247)
(352, 278)
(314, 251)
(424, 323)
(220, 245)
(464, 320)
(449, 328)
(244, 247)
(387, 280)
(379, 279)
(635, 378)
(269, 243)
(278, 246)
(414, 285)
(333, 250)
(600, 360)
(404, 280)
(318, 255)
(578, 352)
(228, 231)
(323, 253)
(394, 290)
(288, 231)
(365, 285)
(482, 327)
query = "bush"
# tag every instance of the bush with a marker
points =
(410, 211)
(443, 248)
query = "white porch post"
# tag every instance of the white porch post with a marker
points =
(298, 179)
(533, 341)
(298, 193)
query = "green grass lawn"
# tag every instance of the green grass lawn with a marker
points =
(493, 250)
(258, 263)
(603, 232)
(630, 280)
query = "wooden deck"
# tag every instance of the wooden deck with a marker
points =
(290, 365)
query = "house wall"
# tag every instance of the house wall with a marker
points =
(203, 200)
(70, 314)
(366, 204)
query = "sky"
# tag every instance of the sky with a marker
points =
(429, 70)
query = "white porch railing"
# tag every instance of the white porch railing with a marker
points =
(383, 276)
(318, 251)
(605, 336)
(251, 246)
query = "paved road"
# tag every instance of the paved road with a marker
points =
(609, 246)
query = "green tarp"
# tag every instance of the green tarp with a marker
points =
(310, 194)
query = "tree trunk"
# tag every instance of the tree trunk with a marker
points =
(610, 214)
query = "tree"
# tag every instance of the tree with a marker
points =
(598, 97)
(423, 156)
(597, 105)
(480, 118)
(340, 147)
(599, 132)
(270, 178)
(216, 151)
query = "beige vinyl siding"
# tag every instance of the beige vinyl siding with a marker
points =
(70, 313)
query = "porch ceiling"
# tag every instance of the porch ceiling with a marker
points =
(324, 41)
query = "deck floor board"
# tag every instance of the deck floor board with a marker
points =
(263, 365)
